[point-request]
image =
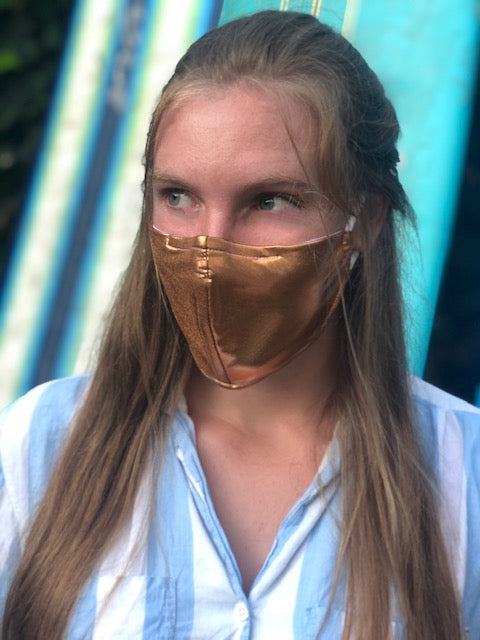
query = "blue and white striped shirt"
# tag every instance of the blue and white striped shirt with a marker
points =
(178, 577)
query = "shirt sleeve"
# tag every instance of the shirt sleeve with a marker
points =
(32, 432)
(471, 593)
(450, 429)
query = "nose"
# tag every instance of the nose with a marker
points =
(219, 222)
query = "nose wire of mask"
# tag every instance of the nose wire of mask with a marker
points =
(246, 311)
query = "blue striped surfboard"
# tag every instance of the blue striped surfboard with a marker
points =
(85, 199)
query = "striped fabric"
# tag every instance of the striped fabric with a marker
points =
(179, 580)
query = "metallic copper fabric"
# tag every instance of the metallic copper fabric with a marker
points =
(245, 310)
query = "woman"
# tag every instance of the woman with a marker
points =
(286, 481)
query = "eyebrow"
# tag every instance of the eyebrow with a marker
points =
(272, 182)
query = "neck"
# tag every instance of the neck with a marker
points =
(296, 398)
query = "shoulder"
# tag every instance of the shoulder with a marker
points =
(450, 430)
(442, 415)
(32, 431)
(51, 401)
(426, 393)
(43, 412)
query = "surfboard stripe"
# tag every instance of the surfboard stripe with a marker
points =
(207, 16)
(92, 187)
(40, 236)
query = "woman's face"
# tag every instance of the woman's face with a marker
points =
(236, 164)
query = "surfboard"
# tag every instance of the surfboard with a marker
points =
(425, 53)
(85, 199)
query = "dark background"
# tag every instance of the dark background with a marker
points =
(453, 361)
(32, 37)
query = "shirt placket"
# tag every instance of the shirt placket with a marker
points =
(188, 458)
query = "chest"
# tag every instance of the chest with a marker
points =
(252, 494)
(184, 584)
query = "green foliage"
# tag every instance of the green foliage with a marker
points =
(9, 60)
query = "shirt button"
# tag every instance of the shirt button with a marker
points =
(241, 612)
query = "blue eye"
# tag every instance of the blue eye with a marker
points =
(275, 202)
(176, 198)
(173, 198)
(267, 204)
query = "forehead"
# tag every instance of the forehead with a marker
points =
(240, 120)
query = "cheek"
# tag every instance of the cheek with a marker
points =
(156, 213)
(164, 223)
(303, 226)
(175, 223)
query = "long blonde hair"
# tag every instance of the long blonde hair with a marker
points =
(390, 536)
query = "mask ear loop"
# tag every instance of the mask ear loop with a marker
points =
(348, 229)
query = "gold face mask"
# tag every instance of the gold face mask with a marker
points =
(246, 311)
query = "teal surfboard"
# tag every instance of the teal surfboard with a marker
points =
(425, 53)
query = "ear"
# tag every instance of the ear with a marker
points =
(371, 218)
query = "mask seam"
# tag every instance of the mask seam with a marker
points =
(210, 316)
